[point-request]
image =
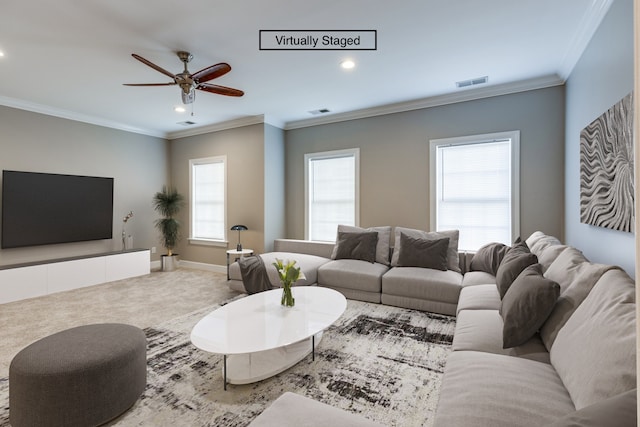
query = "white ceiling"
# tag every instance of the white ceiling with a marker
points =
(69, 58)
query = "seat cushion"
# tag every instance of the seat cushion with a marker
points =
(485, 389)
(481, 330)
(423, 283)
(473, 278)
(619, 411)
(595, 352)
(352, 274)
(479, 297)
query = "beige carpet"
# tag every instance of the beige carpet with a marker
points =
(142, 301)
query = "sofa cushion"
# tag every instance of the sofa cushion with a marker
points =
(549, 255)
(570, 299)
(619, 411)
(356, 246)
(383, 245)
(353, 274)
(481, 330)
(423, 283)
(473, 278)
(566, 267)
(517, 259)
(526, 305)
(479, 297)
(595, 352)
(424, 253)
(453, 262)
(294, 410)
(542, 243)
(485, 389)
(308, 265)
(489, 257)
(535, 236)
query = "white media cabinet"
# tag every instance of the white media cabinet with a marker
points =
(21, 281)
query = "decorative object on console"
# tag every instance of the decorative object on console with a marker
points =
(126, 218)
(289, 274)
(168, 203)
(239, 228)
(606, 168)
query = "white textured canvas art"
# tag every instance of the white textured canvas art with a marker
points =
(606, 169)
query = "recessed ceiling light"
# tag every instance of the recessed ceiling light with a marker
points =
(179, 109)
(347, 64)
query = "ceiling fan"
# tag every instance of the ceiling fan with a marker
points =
(189, 82)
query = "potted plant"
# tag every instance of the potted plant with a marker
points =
(168, 203)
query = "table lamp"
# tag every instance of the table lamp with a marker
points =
(239, 228)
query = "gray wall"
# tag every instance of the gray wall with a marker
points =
(40, 143)
(602, 77)
(394, 158)
(244, 148)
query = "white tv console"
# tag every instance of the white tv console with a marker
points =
(21, 281)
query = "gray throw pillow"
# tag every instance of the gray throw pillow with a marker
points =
(424, 253)
(360, 246)
(453, 235)
(526, 305)
(619, 411)
(517, 259)
(383, 246)
(489, 257)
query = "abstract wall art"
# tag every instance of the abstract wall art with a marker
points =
(606, 169)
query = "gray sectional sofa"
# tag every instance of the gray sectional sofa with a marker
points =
(575, 367)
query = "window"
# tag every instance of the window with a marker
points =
(331, 192)
(208, 197)
(475, 187)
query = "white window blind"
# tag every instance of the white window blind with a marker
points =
(475, 191)
(331, 192)
(208, 199)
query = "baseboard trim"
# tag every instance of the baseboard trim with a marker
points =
(203, 266)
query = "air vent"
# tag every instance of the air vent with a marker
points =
(472, 82)
(320, 111)
(187, 123)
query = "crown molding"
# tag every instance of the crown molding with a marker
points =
(434, 101)
(70, 115)
(216, 127)
(587, 28)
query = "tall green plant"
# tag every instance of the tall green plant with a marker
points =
(168, 203)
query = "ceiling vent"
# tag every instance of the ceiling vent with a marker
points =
(472, 82)
(320, 111)
(187, 123)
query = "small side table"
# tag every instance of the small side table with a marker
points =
(238, 255)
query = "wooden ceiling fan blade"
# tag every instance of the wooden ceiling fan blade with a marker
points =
(149, 84)
(220, 90)
(154, 66)
(211, 72)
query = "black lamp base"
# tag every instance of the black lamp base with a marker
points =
(239, 247)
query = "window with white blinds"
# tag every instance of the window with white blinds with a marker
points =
(208, 196)
(331, 192)
(475, 186)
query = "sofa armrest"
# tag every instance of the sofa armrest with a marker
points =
(322, 249)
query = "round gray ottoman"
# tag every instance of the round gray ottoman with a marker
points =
(83, 376)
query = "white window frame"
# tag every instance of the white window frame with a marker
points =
(201, 241)
(514, 137)
(355, 153)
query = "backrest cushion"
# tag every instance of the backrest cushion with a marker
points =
(543, 243)
(570, 299)
(595, 352)
(535, 236)
(452, 252)
(360, 246)
(382, 247)
(549, 254)
(517, 259)
(489, 257)
(566, 267)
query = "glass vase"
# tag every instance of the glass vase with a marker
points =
(287, 299)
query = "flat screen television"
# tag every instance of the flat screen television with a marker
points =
(43, 208)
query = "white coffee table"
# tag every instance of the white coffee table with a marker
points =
(259, 338)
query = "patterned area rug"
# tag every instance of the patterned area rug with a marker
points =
(382, 362)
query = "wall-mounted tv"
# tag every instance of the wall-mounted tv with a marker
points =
(43, 208)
